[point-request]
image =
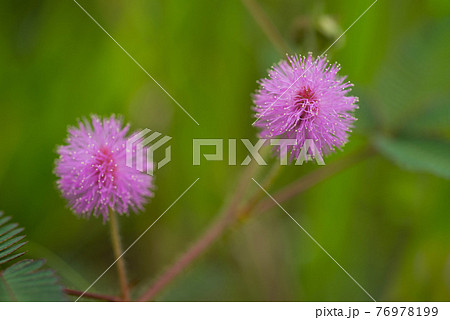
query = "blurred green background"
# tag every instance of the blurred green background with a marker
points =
(386, 220)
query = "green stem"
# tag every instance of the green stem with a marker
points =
(266, 25)
(254, 200)
(314, 177)
(118, 251)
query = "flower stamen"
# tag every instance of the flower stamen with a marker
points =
(306, 104)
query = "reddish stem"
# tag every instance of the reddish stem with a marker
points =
(313, 178)
(102, 297)
(211, 234)
(233, 213)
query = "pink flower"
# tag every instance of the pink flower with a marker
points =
(304, 98)
(92, 170)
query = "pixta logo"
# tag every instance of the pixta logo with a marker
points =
(308, 151)
(141, 147)
(140, 151)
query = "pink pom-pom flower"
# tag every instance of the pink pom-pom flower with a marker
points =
(304, 98)
(92, 170)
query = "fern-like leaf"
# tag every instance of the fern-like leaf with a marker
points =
(24, 280)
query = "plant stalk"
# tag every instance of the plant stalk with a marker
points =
(313, 178)
(118, 252)
(266, 25)
(235, 213)
(214, 231)
(96, 296)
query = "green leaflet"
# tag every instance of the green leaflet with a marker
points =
(414, 81)
(426, 155)
(24, 280)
